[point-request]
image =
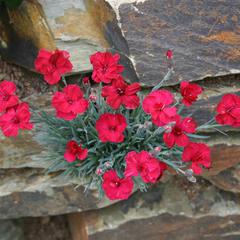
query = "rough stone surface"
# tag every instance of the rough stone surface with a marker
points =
(73, 25)
(47, 228)
(80, 27)
(167, 227)
(176, 208)
(27, 192)
(204, 36)
(228, 179)
(10, 231)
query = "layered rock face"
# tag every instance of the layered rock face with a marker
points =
(205, 39)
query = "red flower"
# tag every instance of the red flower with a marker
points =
(198, 154)
(70, 102)
(189, 92)
(105, 67)
(7, 95)
(150, 168)
(120, 93)
(86, 80)
(157, 104)
(228, 110)
(53, 65)
(115, 187)
(110, 127)
(169, 54)
(74, 151)
(15, 118)
(178, 132)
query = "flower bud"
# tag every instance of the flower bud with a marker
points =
(169, 54)
(158, 149)
(99, 171)
(93, 98)
(86, 80)
(107, 164)
(147, 124)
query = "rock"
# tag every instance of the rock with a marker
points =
(47, 228)
(224, 155)
(166, 227)
(228, 179)
(30, 192)
(167, 211)
(204, 37)
(20, 33)
(73, 25)
(10, 231)
(76, 26)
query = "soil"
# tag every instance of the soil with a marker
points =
(27, 82)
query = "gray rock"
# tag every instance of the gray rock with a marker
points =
(30, 192)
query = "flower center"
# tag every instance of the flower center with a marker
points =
(120, 91)
(112, 128)
(229, 109)
(159, 106)
(177, 130)
(115, 184)
(140, 168)
(74, 149)
(70, 101)
(197, 157)
(15, 120)
(105, 68)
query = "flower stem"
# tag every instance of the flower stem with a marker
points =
(64, 80)
(166, 77)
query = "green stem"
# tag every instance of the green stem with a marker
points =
(72, 130)
(154, 134)
(166, 77)
(64, 80)
(85, 127)
(181, 107)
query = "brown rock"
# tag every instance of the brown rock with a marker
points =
(79, 27)
(223, 155)
(167, 227)
(20, 28)
(203, 35)
(228, 179)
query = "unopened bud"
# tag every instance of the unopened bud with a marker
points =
(86, 80)
(158, 149)
(93, 98)
(169, 54)
(147, 124)
(107, 164)
(99, 171)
